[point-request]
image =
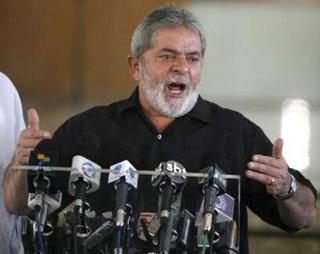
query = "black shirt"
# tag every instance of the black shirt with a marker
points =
(208, 134)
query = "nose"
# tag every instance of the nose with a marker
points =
(180, 65)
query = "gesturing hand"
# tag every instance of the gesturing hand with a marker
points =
(29, 138)
(272, 171)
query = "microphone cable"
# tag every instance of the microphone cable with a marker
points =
(40, 248)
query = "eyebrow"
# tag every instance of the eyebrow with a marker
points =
(170, 50)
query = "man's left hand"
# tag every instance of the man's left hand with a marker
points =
(272, 171)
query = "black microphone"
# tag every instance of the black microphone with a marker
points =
(212, 186)
(168, 232)
(85, 173)
(125, 177)
(84, 176)
(46, 198)
(169, 181)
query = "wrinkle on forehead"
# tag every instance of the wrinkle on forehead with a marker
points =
(177, 39)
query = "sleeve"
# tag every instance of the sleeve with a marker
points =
(258, 200)
(18, 112)
(11, 120)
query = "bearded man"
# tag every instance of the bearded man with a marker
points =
(166, 119)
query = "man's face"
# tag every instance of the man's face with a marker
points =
(169, 72)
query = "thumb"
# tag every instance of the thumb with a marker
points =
(277, 148)
(33, 119)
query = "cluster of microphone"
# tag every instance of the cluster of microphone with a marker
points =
(171, 228)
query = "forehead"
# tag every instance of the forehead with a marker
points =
(177, 38)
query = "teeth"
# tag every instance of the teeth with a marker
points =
(176, 87)
(175, 91)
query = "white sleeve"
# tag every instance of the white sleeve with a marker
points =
(11, 120)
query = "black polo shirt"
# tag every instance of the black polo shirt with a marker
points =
(208, 134)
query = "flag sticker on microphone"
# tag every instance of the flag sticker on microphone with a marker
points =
(43, 157)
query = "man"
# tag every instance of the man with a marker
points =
(165, 119)
(11, 123)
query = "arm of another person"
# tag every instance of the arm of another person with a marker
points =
(299, 211)
(15, 181)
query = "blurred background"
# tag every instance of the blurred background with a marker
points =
(263, 59)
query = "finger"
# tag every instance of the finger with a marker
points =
(29, 142)
(22, 156)
(277, 148)
(263, 168)
(35, 134)
(262, 178)
(268, 160)
(33, 119)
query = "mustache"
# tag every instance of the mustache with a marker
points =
(179, 80)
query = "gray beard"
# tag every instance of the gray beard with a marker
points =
(154, 91)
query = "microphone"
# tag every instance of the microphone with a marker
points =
(185, 229)
(125, 176)
(212, 186)
(46, 198)
(85, 174)
(226, 237)
(84, 177)
(168, 232)
(224, 208)
(169, 184)
(100, 234)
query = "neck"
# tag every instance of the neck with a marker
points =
(159, 121)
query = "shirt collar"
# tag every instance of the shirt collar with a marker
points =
(202, 110)
(131, 102)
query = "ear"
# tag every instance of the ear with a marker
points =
(134, 67)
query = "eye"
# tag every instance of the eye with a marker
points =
(193, 59)
(166, 57)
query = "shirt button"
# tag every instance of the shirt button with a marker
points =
(159, 136)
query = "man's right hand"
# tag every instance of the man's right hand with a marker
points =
(29, 138)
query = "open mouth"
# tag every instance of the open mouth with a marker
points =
(176, 88)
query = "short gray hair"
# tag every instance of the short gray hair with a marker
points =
(166, 16)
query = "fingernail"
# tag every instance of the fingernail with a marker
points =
(256, 157)
(248, 173)
(250, 165)
(47, 134)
